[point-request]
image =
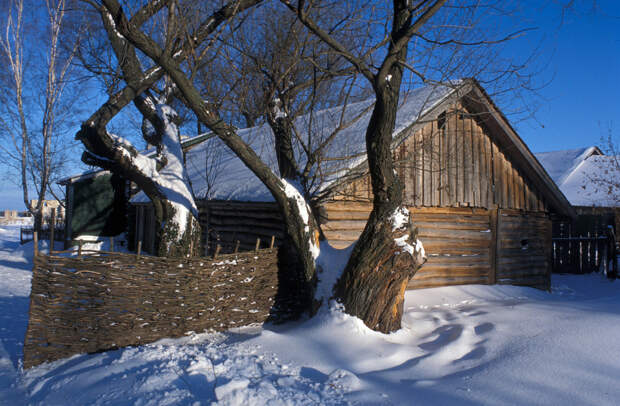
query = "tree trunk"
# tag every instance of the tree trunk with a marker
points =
(373, 284)
(300, 226)
(178, 230)
(387, 254)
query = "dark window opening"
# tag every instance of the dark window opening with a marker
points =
(441, 120)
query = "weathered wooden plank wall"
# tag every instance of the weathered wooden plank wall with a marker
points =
(523, 248)
(464, 245)
(143, 216)
(452, 162)
(458, 244)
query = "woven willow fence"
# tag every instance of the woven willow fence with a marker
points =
(110, 300)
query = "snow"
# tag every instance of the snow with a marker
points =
(172, 180)
(579, 174)
(399, 220)
(584, 186)
(467, 345)
(293, 193)
(348, 149)
(559, 164)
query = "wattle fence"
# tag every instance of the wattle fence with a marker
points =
(106, 300)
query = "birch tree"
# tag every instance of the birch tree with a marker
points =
(35, 109)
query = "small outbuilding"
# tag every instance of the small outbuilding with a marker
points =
(590, 180)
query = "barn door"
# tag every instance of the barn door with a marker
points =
(523, 248)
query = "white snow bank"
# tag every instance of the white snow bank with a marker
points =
(467, 345)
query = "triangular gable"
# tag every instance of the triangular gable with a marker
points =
(513, 179)
(478, 100)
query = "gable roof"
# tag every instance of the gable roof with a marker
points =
(581, 174)
(232, 180)
(560, 164)
(216, 173)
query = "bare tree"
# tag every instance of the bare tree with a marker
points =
(163, 177)
(34, 149)
(413, 42)
(388, 253)
(273, 70)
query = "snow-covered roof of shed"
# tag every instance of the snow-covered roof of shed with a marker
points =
(560, 164)
(232, 180)
(580, 175)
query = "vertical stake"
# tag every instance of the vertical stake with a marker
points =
(237, 246)
(217, 251)
(273, 240)
(35, 237)
(80, 242)
(139, 249)
(257, 245)
(111, 244)
(52, 229)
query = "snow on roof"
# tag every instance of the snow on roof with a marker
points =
(594, 182)
(559, 164)
(583, 175)
(216, 173)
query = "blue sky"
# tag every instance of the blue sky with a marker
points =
(581, 55)
(582, 100)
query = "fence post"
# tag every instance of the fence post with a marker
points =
(139, 249)
(237, 246)
(273, 240)
(80, 242)
(111, 244)
(257, 245)
(217, 251)
(52, 229)
(493, 224)
(35, 238)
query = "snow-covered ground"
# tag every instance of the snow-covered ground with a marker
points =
(466, 345)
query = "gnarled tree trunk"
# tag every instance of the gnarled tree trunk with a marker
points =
(387, 254)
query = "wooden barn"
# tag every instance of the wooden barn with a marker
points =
(480, 199)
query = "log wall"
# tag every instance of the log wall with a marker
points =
(463, 245)
(226, 222)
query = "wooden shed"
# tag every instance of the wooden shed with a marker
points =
(480, 199)
(96, 205)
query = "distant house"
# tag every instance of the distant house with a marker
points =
(590, 180)
(481, 200)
